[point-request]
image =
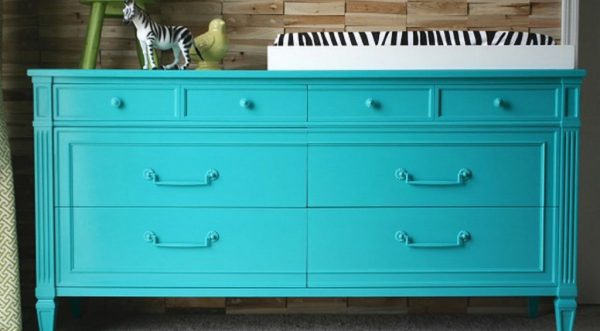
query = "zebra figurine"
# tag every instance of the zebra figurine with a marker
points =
(153, 35)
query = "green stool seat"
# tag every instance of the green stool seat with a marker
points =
(99, 10)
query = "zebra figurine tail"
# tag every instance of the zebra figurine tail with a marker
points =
(153, 35)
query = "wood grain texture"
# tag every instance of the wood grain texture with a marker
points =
(256, 305)
(315, 7)
(376, 6)
(417, 8)
(258, 22)
(437, 305)
(377, 305)
(317, 305)
(40, 33)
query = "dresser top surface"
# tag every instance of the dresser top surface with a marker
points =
(191, 74)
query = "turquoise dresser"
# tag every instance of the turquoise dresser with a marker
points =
(306, 184)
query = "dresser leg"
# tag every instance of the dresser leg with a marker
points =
(564, 310)
(46, 313)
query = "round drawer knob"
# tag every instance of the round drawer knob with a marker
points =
(116, 102)
(245, 103)
(371, 103)
(499, 103)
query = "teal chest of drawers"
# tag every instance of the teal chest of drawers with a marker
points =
(306, 184)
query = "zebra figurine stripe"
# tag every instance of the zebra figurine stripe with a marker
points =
(152, 35)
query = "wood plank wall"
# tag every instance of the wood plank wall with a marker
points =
(49, 34)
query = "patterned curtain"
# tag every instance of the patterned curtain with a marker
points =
(10, 298)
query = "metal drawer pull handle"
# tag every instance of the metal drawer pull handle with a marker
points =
(211, 237)
(463, 175)
(461, 238)
(210, 176)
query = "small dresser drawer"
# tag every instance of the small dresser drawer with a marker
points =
(430, 173)
(255, 103)
(388, 247)
(115, 102)
(183, 169)
(499, 103)
(368, 103)
(181, 247)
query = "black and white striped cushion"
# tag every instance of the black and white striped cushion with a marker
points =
(409, 38)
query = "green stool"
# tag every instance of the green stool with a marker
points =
(99, 10)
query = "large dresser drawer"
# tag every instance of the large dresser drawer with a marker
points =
(115, 102)
(499, 103)
(368, 103)
(443, 171)
(254, 103)
(386, 247)
(151, 169)
(181, 247)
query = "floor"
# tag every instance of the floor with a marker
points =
(588, 318)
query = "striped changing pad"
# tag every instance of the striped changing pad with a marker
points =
(410, 38)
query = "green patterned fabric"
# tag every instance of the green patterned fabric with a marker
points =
(10, 298)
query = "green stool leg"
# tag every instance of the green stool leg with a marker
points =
(92, 39)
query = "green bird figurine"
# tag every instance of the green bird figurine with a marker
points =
(210, 47)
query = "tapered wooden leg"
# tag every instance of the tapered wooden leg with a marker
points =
(92, 38)
(533, 305)
(46, 314)
(564, 310)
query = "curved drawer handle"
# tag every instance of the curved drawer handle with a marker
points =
(461, 238)
(210, 176)
(463, 175)
(211, 237)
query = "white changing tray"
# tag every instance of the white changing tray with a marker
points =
(420, 57)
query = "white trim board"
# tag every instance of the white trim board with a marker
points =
(570, 24)
(420, 57)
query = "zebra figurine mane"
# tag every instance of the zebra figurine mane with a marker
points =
(153, 35)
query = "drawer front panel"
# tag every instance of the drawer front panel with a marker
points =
(110, 102)
(429, 246)
(181, 247)
(434, 173)
(270, 103)
(162, 170)
(481, 102)
(368, 103)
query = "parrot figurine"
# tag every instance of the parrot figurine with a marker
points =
(210, 47)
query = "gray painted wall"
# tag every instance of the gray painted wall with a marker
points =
(589, 189)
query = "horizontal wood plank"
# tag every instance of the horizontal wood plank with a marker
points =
(315, 8)
(437, 8)
(374, 6)
(253, 7)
